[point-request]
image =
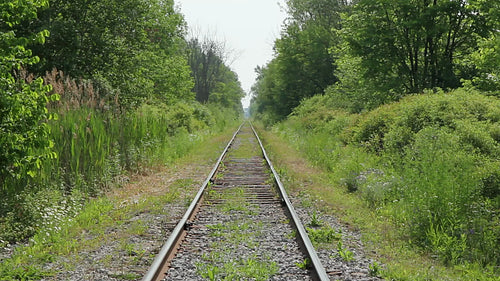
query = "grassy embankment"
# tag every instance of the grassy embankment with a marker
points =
(99, 147)
(419, 178)
(64, 234)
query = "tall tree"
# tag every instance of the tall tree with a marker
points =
(486, 58)
(206, 58)
(214, 81)
(409, 45)
(303, 64)
(120, 42)
(227, 91)
(266, 91)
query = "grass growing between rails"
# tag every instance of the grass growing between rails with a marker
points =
(220, 263)
(113, 219)
(418, 177)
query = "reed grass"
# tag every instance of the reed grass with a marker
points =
(97, 144)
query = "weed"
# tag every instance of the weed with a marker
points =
(126, 276)
(392, 188)
(95, 147)
(324, 235)
(234, 200)
(344, 253)
(240, 269)
(291, 235)
(128, 248)
(23, 272)
(258, 269)
(374, 269)
(107, 259)
(219, 175)
(137, 227)
(208, 271)
(213, 195)
(305, 264)
(315, 220)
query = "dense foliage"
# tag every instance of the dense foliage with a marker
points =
(367, 53)
(111, 91)
(134, 46)
(214, 81)
(22, 104)
(303, 66)
(410, 119)
(428, 162)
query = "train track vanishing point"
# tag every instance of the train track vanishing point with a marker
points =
(240, 225)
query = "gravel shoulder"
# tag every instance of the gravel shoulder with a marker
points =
(129, 248)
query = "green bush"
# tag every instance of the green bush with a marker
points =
(96, 146)
(393, 126)
(442, 201)
(430, 160)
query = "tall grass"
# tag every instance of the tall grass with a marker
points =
(97, 144)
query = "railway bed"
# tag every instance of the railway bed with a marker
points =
(240, 226)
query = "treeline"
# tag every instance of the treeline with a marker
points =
(367, 53)
(92, 89)
(398, 101)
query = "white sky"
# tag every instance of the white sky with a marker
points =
(249, 28)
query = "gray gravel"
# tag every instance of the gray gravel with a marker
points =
(338, 269)
(266, 237)
(112, 261)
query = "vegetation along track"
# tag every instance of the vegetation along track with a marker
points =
(240, 226)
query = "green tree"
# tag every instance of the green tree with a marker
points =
(134, 45)
(214, 81)
(24, 135)
(486, 58)
(228, 92)
(265, 92)
(206, 58)
(410, 45)
(303, 66)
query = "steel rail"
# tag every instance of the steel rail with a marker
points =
(319, 270)
(159, 263)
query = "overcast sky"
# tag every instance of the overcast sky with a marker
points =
(249, 28)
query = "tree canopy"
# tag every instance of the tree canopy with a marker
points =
(302, 66)
(214, 81)
(414, 45)
(366, 53)
(135, 46)
(129, 52)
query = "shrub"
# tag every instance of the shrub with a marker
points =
(95, 147)
(393, 126)
(429, 160)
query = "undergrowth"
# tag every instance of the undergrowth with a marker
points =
(73, 224)
(99, 146)
(67, 235)
(428, 162)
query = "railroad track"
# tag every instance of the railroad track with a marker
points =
(240, 226)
